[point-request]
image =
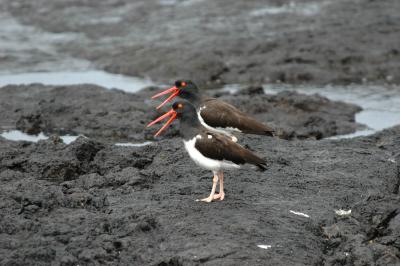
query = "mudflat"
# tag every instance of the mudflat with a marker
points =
(320, 202)
(211, 42)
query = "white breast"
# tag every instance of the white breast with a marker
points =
(201, 160)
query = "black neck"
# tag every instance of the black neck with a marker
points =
(189, 124)
(193, 97)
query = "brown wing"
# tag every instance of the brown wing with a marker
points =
(221, 114)
(220, 147)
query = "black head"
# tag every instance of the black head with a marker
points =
(184, 109)
(187, 89)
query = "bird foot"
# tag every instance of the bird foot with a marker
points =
(208, 199)
(219, 196)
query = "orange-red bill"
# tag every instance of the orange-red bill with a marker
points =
(173, 95)
(170, 113)
(166, 124)
(173, 89)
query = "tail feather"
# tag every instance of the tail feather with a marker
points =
(269, 132)
(255, 160)
(262, 166)
(259, 129)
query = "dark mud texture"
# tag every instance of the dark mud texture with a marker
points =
(241, 41)
(92, 203)
(113, 115)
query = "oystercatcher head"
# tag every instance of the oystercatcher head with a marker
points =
(186, 89)
(185, 112)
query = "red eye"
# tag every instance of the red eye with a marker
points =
(183, 84)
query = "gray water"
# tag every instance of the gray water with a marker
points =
(305, 9)
(97, 77)
(17, 135)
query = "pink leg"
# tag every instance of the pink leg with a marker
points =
(214, 186)
(221, 194)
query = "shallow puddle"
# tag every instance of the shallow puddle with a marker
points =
(17, 135)
(97, 77)
(305, 9)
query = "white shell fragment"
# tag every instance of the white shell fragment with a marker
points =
(343, 212)
(264, 246)
(300, 214)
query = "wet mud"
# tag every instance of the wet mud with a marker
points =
(93, 203)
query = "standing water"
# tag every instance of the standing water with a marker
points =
(97, 77)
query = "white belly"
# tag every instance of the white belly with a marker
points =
(207, 163)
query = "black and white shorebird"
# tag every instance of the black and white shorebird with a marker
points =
(215, 115)
(208, 149)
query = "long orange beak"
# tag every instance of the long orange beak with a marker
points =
(175, 92)
(170, 113)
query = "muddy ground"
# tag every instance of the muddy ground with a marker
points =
(119, 116)
(257, 41)
(92, 203)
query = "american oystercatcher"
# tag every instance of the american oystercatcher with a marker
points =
(208, 149)
(215, 115)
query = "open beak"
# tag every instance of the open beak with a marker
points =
(175, 92)
(171, 113)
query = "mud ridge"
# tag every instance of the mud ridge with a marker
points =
(117, 116)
